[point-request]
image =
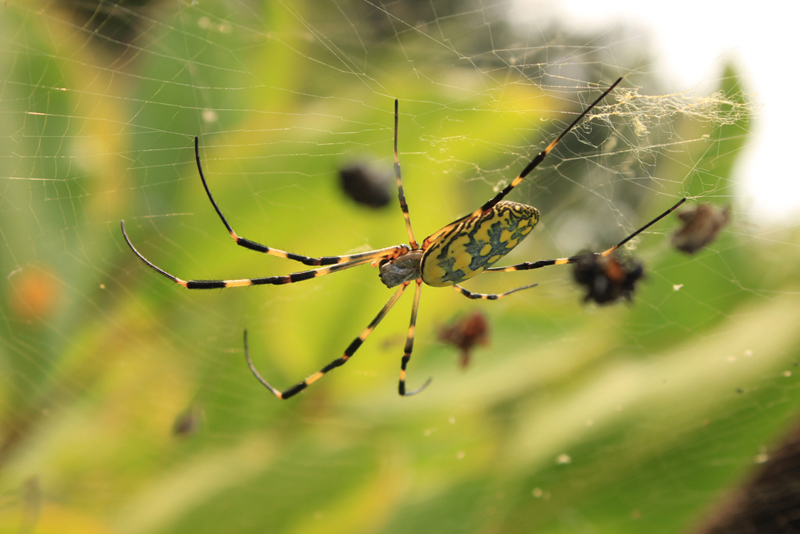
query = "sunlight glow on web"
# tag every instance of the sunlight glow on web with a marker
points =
(693, 40)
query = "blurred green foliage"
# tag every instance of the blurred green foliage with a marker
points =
(125, 402)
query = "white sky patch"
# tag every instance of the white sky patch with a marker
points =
(695, 40)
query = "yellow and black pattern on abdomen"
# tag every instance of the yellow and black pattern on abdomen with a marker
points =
(475, 244)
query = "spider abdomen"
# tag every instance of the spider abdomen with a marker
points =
(474, 244)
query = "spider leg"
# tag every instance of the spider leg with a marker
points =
(572, 259)
(527, 170)
(361, 259)
(541, 155)
(412, 326)
(338, 362)
(258, 247)
(400, 194)
(489, 296)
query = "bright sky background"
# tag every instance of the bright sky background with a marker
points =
(695, 40)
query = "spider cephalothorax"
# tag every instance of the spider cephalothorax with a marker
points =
(461, 250)
(404, 268)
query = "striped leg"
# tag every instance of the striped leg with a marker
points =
(338, 362)
(258, 247)
(572, 259)
(361, 259)
(412, 327)
(400, 194)
(489, 296)
(527, 170)
(541, 155)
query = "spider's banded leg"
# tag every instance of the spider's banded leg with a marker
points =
(572, 259)
(643, 228)
(527, 170)
(338, 362)
(541, 155)
(489, 296)
(412, 327)
(400, 194)
(258, 247)
(367, 257)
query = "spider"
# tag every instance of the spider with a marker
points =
(461, 250)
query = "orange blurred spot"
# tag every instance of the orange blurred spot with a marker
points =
(34, 293)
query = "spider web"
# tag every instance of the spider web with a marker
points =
(125, 402)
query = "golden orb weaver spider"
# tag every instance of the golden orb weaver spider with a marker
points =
(461, 250)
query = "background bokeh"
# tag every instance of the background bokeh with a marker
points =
(125, 402)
